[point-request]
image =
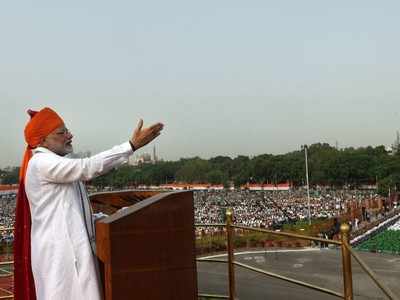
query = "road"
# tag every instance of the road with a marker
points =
(322, 267)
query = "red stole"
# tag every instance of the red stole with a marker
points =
(24, 285)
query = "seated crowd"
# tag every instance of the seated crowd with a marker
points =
(265, 209)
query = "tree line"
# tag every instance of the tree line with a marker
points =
(327, 165)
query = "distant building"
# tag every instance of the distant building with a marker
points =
(145, 158)
(389, 150)
(8, 190)
(155, 158)
(266, 187)
(141, 159)
(192, 186)
(396, 144)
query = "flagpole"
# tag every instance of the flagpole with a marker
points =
(308, 185)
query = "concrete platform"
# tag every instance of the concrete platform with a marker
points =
(322, 267)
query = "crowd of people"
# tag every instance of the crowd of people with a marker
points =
(7, 216)
(395, 226)
(270, 209)
(265, 209)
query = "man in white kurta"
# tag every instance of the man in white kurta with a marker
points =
(63, 262)
(62, 233)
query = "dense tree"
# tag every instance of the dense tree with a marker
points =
(10, 175)
(193, 170)
(327, 165)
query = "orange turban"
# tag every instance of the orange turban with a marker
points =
(41, 124)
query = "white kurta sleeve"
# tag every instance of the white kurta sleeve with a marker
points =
(54, 168)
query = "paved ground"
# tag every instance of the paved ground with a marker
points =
(319, 267)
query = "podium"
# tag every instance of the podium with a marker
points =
(146, 250)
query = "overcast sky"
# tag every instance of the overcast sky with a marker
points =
(226, 77)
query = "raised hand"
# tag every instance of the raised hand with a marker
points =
(142, 136)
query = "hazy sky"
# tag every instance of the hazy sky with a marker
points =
(226, 77)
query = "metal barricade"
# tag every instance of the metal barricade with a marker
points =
(6, 274)
(345, 247)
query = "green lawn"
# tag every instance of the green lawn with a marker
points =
(386, 241)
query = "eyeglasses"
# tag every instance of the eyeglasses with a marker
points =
(64, 131)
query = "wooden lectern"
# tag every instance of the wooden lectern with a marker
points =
(147, 250)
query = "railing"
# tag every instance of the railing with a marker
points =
(5, 273)
(346, 250)
(4, 293)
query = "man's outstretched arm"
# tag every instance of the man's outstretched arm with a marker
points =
(142, 136)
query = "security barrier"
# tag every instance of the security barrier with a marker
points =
(346, 250)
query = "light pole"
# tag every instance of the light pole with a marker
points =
(308, 185)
